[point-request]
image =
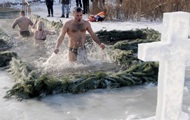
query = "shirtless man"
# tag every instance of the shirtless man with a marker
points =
(76, 29)
(23, 24)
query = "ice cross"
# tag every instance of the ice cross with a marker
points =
(171, 52)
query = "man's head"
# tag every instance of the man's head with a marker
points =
(22, 13)
(77, 13)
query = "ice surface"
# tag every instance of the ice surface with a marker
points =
(171, 52)
(128, 104)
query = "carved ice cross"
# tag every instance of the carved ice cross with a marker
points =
(171, 52)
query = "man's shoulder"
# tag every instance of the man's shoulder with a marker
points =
(69, 22)
(21, 18)
(18, 18)
(86, 22)
(27, 18)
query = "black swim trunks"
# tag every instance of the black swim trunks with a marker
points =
(25, 33)
(77, 50)
(43, 39)
(74, 50)
(80, 53)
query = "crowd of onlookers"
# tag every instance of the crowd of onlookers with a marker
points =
(65, 7)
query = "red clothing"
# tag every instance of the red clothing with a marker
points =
(98, 17)
(101, 14)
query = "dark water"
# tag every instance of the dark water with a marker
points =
(8, 13)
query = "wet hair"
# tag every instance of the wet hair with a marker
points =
(22, 12)
(40, 25)
(77, 9)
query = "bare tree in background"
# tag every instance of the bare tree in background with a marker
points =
(97, 6)
(138, 9)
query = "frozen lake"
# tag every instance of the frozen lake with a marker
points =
(127, 103)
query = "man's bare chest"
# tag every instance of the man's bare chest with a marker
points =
(77, 28)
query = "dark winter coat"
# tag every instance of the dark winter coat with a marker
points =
(49, 2)
(65, 1)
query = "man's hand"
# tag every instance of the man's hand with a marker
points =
(56, 50)
(37, 19)
(102, 46)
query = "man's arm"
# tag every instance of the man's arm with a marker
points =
(94, 37)
(30, 22)
(15, 23)
(60, 38)
(34, 25)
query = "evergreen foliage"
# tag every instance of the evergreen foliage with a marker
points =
(6, 57)
(30, 83)
(4, 41)
(114, 36)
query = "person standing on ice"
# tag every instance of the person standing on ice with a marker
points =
(78, 3)
(65, 5)
(85, 6)
(49, 4)
(76, 29)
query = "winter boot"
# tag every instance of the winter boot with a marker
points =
(62, 16)
(67, 15)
